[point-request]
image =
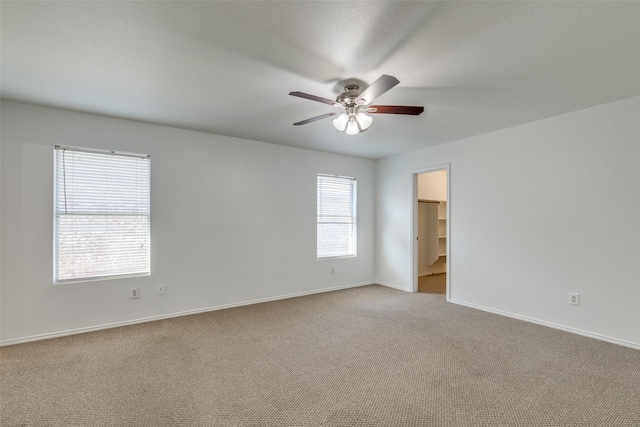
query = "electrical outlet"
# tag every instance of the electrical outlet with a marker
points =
(134, 293)
(574, 299)
(333, 270)
(162, 289)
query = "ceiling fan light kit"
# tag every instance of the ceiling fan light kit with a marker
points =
(352, 121)
(355, 104)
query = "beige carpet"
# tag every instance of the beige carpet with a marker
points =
(369, 356)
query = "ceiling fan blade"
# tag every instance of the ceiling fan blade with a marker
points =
(395, 109)
(315, 98)
(313, 119)
(377, 88)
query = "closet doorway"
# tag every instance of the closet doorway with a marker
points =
(431, 229)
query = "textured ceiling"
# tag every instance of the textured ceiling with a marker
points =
(227, 67)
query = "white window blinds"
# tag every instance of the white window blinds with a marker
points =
(336, 216)
(102, 209)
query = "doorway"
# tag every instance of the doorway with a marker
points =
(431, 263)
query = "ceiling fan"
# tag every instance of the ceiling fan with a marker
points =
(355, 103)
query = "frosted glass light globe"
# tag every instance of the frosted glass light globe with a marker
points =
(340, 122)
(352, 128)
(364, 120)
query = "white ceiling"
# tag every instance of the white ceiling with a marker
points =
(227, 67)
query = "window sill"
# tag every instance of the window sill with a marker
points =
(337, 257)
(100, 279)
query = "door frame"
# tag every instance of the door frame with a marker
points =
(414, 224)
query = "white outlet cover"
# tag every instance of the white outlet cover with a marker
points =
(574, 299)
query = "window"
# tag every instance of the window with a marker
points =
(336, 216)
(102, 208)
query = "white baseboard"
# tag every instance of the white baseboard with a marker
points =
(389, 285)
(170, 315)
(549, 324)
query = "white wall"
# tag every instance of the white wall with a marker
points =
(537, 211)
(232, 221)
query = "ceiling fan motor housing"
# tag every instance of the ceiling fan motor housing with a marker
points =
(348, 97)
